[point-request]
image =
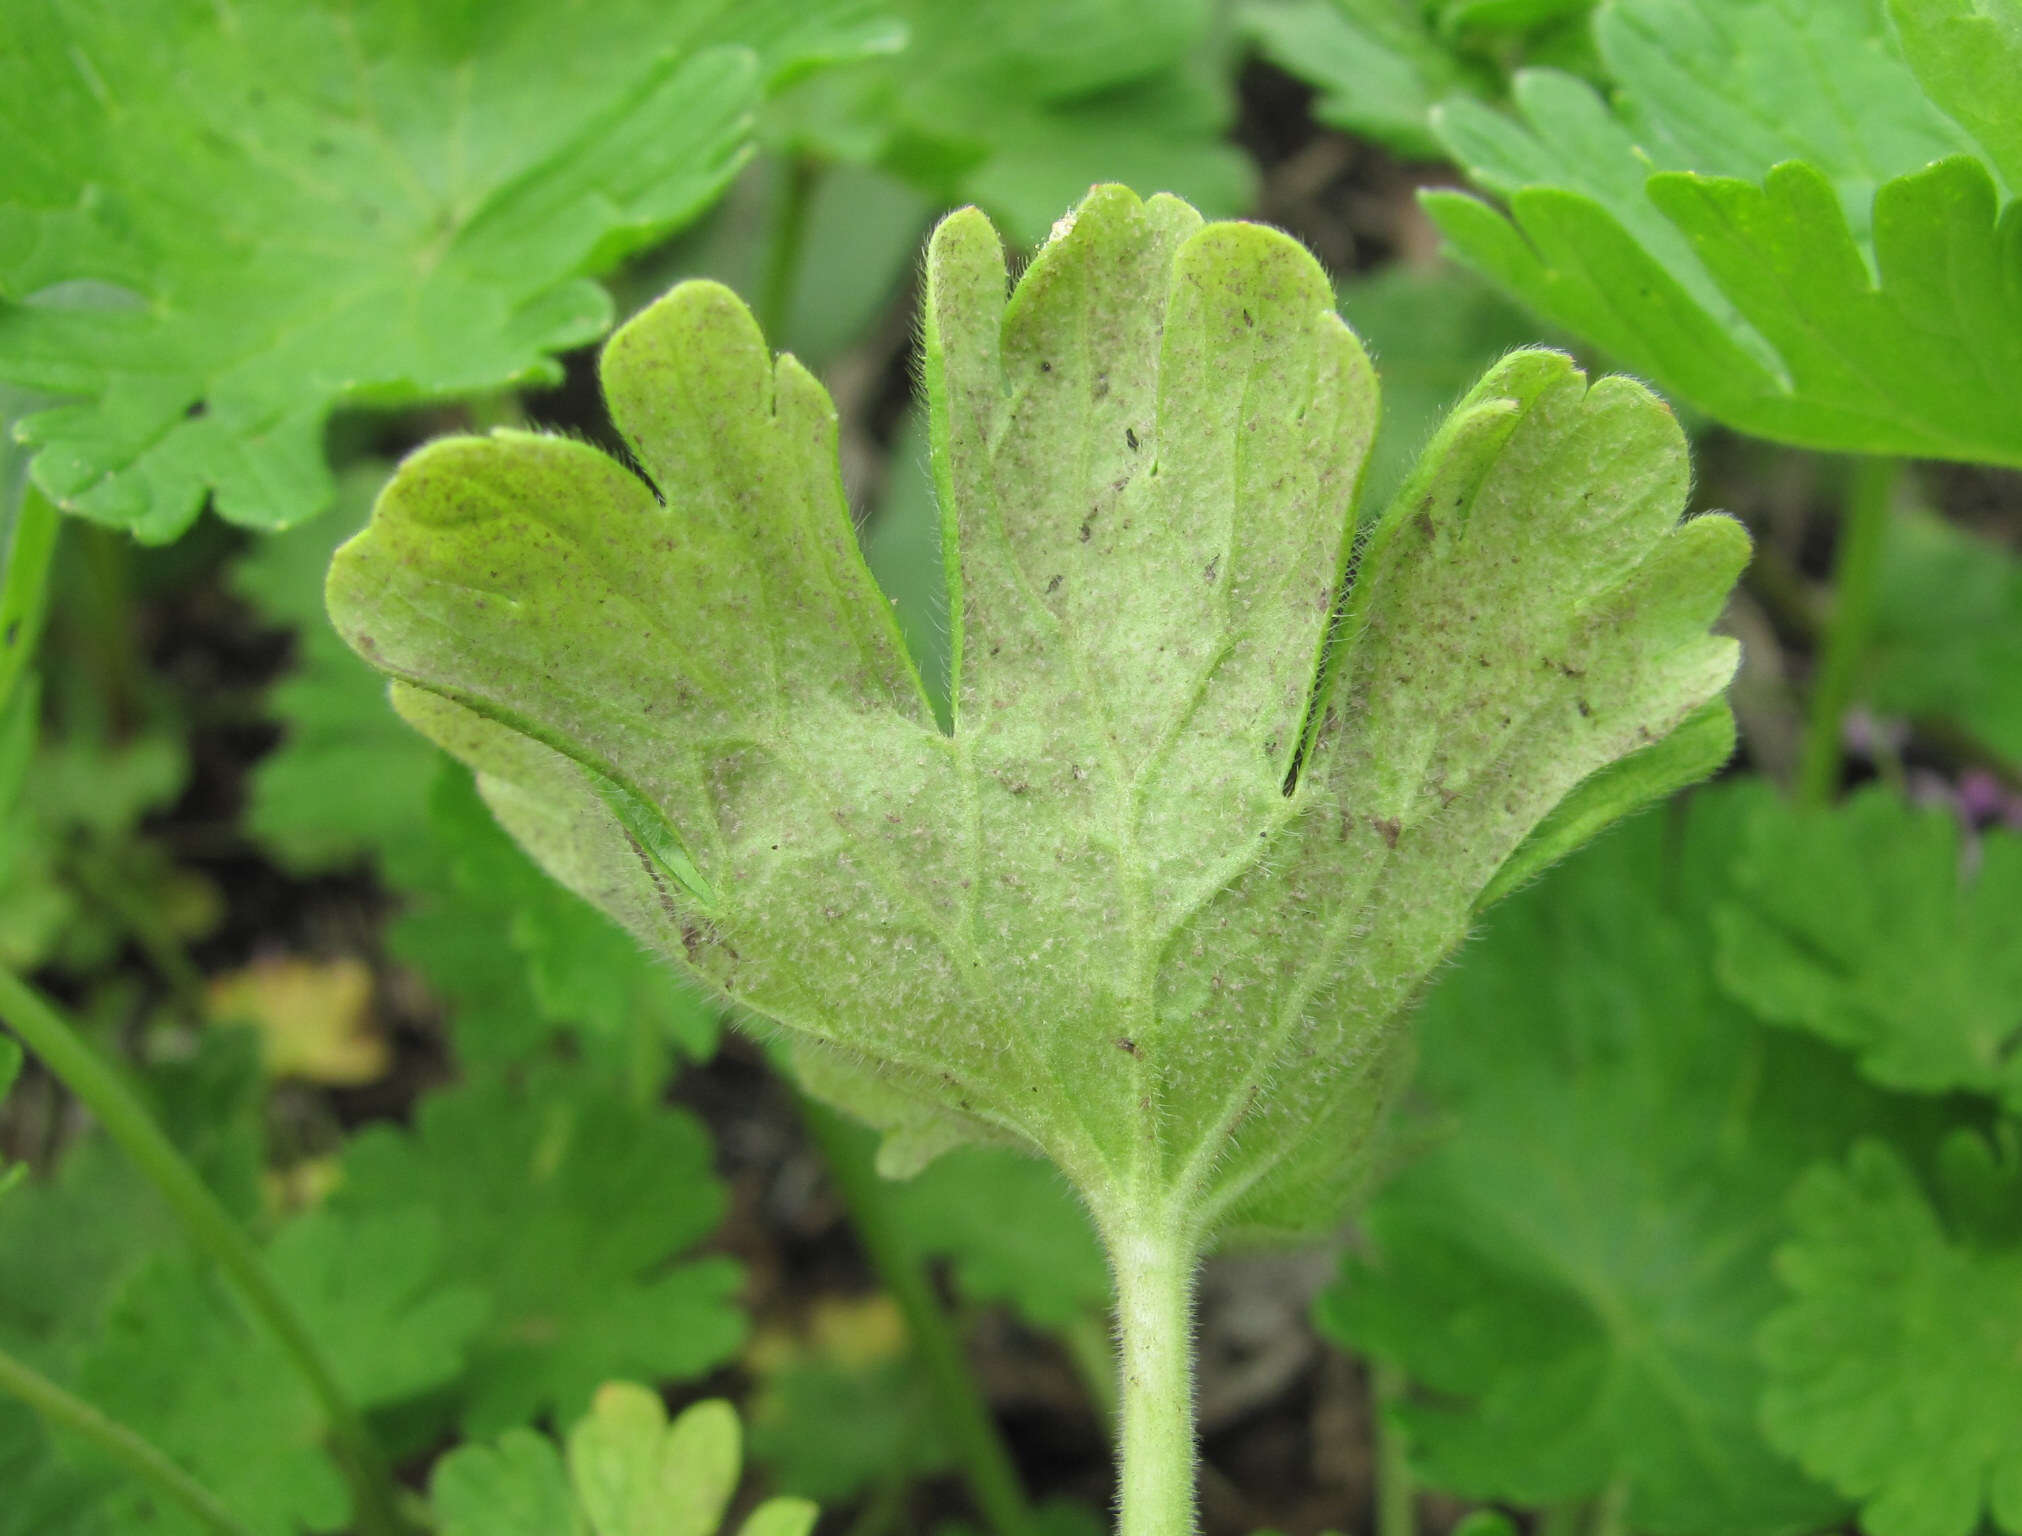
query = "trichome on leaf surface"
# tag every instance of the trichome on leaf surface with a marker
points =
(1226, 778)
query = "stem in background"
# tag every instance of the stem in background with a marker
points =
(43, 1030)
(1154, 1320)
(1396, 1488)
(118, 1443)
(24, 596)
(143, 924)
(1857, 569)
(881, 1511)
(1562, 1520)
(1611, 1512)
(1092, 1353)
(1605, 1515)
(495, 408)
(106, 620)
(783, 251)
(986, 1463)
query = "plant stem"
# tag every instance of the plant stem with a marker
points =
(880, 1512)
(24, 588)
(111, 650)
(1562, 1520)
(986, 1463)
(783, 251)
(118, 1443)
(1856, 580)
(1611, 1512)
(1396, 1488)
(1154, 1319)
(212, 1229)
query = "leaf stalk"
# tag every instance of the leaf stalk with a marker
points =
(1857, 585)
(1154, 1267)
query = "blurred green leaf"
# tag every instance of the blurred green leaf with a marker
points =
(1433, 330)
(1055, 1517)
(569, 1207)
(46, 1495)
(902, 547)
(828, 1432)
(180, 1363)
(380, 1297)
(1020, 105)
(841, 1404)
(1947, 638)
(1380, 66)
(348, 779)
(1893, 1367)
(1013, 1232)
(858, 246)
(71, 1239)
(1968, 56)
(1868, 924)
(176, 1358)
(327, 205)
(80, 805)
(1571, 1276)
(1831, 278)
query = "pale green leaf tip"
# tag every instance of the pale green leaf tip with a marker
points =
(781, 1517)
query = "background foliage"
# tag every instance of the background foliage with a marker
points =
(1704, 1215)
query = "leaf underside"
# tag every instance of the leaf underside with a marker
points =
(1208, 813)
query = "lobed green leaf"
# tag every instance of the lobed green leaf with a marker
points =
(1947, 638)
(1382, 66)
(1572, 1272)
(626, 1472)
(1018, 105)
(1823, 276)
(1869, 924)
(1893, 1366)
(1202, 824)
(570, 1212)
(334, 205)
